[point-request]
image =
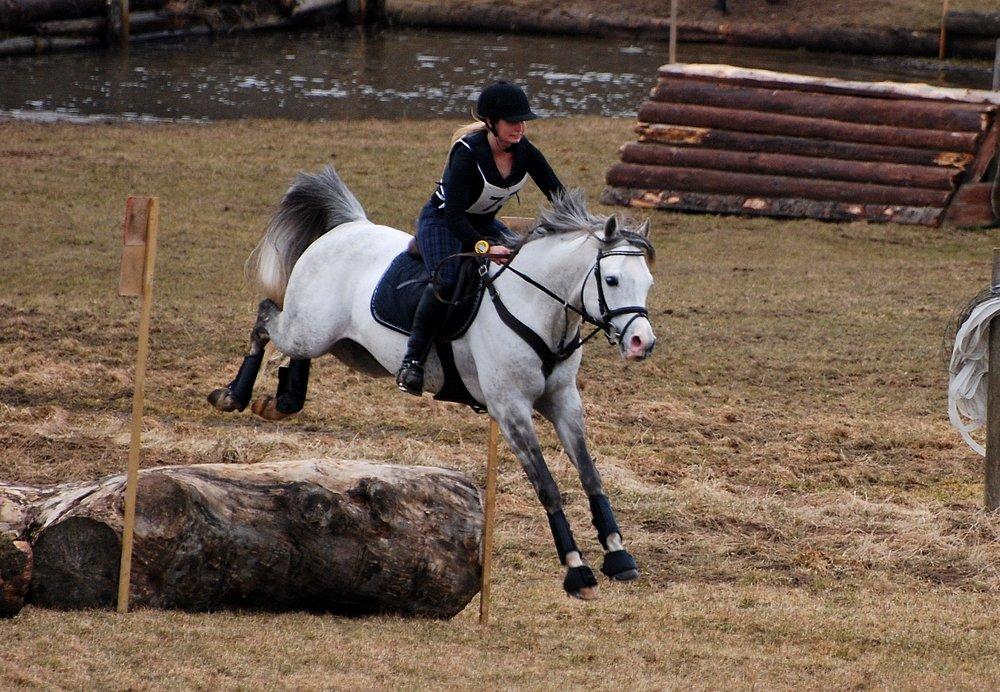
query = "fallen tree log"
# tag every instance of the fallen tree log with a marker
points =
(317, 535)
(781, 207)
(880, 173)
(798, 126)
(973, 23)
(682, 135)
(15, 575)
(647, 177)
(17, 14)
(782, 80)
(857, 109)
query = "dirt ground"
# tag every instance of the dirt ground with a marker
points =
(783, 466)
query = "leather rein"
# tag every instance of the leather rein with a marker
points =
(564, 349)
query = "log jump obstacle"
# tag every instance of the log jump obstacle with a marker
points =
(722, 139)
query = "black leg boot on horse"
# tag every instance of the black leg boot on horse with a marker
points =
(430, 316)
(293, 381)
(237, 394)
(618, 565)
(579, 582)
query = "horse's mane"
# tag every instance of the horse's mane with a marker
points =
(568, 214)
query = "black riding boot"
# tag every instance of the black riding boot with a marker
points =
(429, 317)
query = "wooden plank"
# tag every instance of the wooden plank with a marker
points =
(747, 184)
(880, 173)
(783, 80)
(970, 207)
(489, 526)
(798, 126)
(152, 205)
(986, 153)
(682, 135)
(780, 207)
(930, 115)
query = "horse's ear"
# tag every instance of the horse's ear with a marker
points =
(644, 229)
(610, 228)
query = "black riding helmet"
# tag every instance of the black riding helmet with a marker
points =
(504, 101)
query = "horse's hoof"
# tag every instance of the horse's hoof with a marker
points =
(581, 583)
(223, 400)
(587, 593)
(620, 566)
(267, 408)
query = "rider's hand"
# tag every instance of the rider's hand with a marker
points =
(499, 254)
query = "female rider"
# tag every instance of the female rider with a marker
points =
(488, 164)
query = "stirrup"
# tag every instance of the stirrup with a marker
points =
(410, 378)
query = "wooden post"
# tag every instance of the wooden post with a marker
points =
(489, 521)
(138, 261)
(993, 405)
(943, 38)
(672, 57)
(118, 22)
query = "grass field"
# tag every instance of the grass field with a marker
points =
(783, 467)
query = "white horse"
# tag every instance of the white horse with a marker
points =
(321, 259)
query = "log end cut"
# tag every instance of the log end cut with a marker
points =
(76, 565)
(15, 575)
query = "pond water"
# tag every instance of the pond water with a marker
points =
(337, 73)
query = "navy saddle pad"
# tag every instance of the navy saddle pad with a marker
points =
(395, 299)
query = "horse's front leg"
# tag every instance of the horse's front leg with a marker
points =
(562, 406)
(515, 423)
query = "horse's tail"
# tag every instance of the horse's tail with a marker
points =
(314, 204)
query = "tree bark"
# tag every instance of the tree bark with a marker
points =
(871, 110)
(681, 135)
(782, 207)
(781, 80)
(318, 535)
(880, 173)
(645, 177)
(973, 23)
(799, 126)
(15, 575)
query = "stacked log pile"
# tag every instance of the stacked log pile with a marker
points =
(320, 535)
(731, 140)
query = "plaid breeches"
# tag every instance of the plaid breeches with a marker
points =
(437, 243)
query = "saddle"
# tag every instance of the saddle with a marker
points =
(395, 301)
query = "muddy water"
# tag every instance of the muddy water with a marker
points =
(335, 73)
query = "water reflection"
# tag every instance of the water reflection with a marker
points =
(337, 73)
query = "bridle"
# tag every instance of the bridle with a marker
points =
(565, 348)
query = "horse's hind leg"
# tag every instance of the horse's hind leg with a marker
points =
(293, 380)
(236, 395)
(565, 410)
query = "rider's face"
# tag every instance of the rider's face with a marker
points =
(509, 133)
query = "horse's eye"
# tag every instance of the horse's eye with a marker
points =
(611, 280)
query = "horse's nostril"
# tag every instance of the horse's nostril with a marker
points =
(636, 342)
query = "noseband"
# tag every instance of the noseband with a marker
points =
(602, 323)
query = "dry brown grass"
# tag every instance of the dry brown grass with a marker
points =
(783, 466)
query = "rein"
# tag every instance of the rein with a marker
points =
(550, 358)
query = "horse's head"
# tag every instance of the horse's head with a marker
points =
(614, 293)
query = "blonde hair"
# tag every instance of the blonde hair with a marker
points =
(467, 130)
